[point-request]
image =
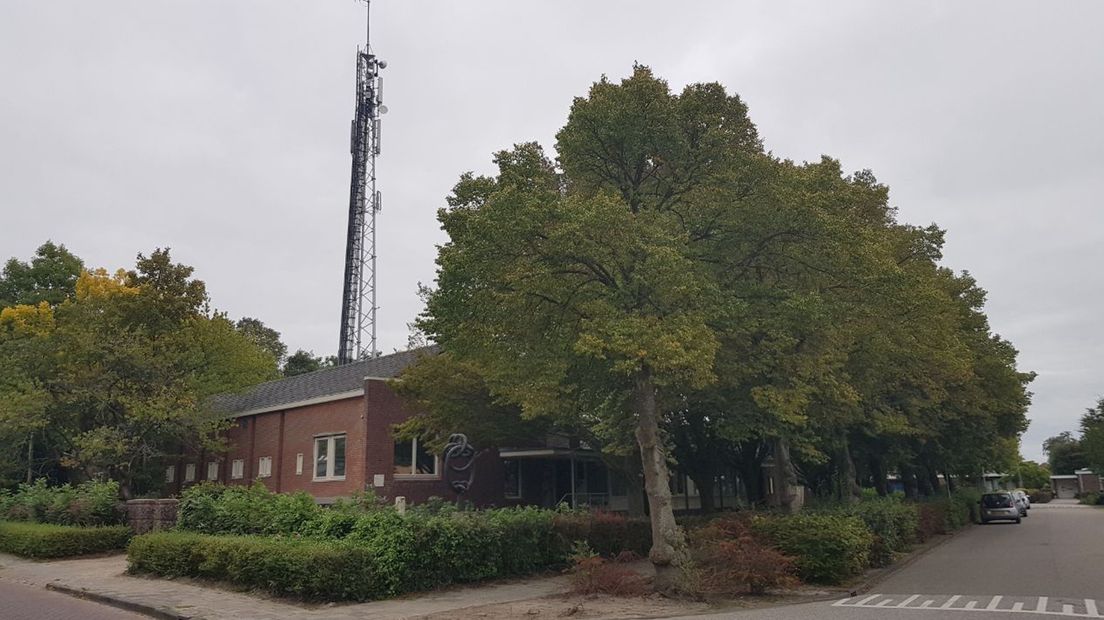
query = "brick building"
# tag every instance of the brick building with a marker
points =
(329, 433)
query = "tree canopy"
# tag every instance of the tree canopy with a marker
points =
(115, 377)
(665, 282)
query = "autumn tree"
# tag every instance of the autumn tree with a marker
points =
(119, 376)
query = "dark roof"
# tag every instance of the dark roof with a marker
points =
(320, 383)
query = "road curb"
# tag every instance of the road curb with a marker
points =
(121, 603)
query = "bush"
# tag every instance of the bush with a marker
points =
(827, 548)
(893, 523)
(87, 504)
(304, 568)
(607, 533)
(216, 509)
(1040, 496)
(42, 540)
(1092, 499)
(729, 560)
(592, 574)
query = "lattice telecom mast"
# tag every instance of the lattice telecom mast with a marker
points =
(358, 300)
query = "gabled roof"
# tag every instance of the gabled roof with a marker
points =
(319, 386)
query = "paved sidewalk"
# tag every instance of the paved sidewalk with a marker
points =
(105, 577)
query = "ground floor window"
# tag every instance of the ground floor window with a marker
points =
(237, 469)
(212, 470)
(329, 457)
(170, 473)
(412, 459)
(264, 467)
(189, 472)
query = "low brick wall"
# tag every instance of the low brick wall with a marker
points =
(151, 515)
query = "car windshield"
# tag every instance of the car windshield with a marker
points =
(1000, 500)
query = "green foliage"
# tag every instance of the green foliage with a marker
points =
(827, 548)
(50, 277)
(308, 569)
(263, 336)
(893, 523)
(1031, 474)
(1065, 453)
(302, 362)
(120, 373)
(215, 509)
(1040, 496)
(395, 553)
(43, 541)
(1092, 436)
(87, 504)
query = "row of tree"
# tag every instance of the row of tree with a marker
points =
(1066, 452)
(672, 292)
(108, 374)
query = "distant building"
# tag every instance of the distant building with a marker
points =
(1069, 486)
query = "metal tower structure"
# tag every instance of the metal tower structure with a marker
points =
(358, 299)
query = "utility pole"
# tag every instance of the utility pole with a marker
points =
(358, 299)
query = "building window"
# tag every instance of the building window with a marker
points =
(329, 457)
(170, 473)
(412, 459)
(299, 464)
(264, 467)
(212, 470)
(189, 472)
(513, 478)
(237, 469)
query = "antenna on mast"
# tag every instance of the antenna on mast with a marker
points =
(358, 299)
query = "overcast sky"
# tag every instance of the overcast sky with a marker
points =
(220, 128)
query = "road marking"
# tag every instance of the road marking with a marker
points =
(1027, 604)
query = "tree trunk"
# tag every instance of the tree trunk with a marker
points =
(950, 482)
(30, 458)
(668, 543)
(707, 484)
(908, 479)
(877, 469)
(785, 479)
(851, 488)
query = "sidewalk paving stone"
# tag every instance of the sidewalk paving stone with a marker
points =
(105, 576)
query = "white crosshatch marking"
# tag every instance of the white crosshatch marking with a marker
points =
(1042, 605)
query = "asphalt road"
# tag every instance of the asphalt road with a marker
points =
(23, 602)
(1049, 566)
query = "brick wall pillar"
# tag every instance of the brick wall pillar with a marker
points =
(151, 515)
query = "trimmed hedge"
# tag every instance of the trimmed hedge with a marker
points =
(431, 545)
(382, 553)
(41, 540)
(304, 568)
(827, 548)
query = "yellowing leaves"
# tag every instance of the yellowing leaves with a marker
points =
(99, 284)
(28, 320)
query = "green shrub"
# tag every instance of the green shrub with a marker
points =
(893, 523)
(310, 569)
(827, 548)
(216, 509)
(42, 540)
(1040, 496)
(87, 504)
(1091, 499)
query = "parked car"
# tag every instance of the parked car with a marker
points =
(999, 506)
(1022, 494)
(1021, 502)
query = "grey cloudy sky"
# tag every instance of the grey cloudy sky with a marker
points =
(220, 128)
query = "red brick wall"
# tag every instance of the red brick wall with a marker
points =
(385, 409)
(369, 450)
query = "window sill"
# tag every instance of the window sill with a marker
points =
(330, 479)
(415, 477)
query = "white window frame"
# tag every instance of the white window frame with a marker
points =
(237, 469)
(189, 472)
(299, 462)
(264, 467)
(330, 441)
(212, 470)
(436, 475)
(170, 473)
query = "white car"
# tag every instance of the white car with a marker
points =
(1022, 502)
